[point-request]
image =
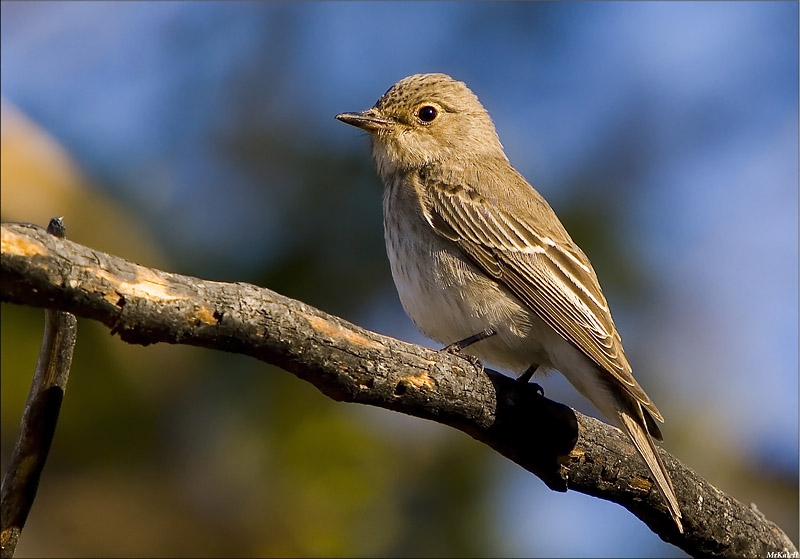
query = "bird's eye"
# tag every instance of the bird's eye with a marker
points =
(427, 113)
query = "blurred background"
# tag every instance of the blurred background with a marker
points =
(199, 138)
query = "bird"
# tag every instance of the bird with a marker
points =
(482, 263)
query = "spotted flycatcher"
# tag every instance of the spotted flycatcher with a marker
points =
(480, 259)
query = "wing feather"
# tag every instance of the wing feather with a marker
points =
(549, 273)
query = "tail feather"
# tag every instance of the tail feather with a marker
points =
(635, 416)
(635, 428)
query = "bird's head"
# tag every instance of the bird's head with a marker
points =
(425, 118)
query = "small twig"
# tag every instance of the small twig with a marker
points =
(39, 419)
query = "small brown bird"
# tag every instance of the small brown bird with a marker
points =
(481, 260)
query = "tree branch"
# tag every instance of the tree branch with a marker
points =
(39, 420)
(351, 364)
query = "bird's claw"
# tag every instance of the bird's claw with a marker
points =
(456, 349)
(525, 378)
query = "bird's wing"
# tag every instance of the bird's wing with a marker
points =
(548, 272)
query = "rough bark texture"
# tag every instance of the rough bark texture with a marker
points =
(347, 363)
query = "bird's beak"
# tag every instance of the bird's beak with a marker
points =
(368, 120)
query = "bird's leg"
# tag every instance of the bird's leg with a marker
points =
(457, 347)
(473, 339)
(526, 377)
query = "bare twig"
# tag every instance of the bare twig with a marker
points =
(348, 363)
(39, 420)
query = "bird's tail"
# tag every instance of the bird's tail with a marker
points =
(630, 416)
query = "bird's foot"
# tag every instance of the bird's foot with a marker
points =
(526, 377)
(456, 348)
